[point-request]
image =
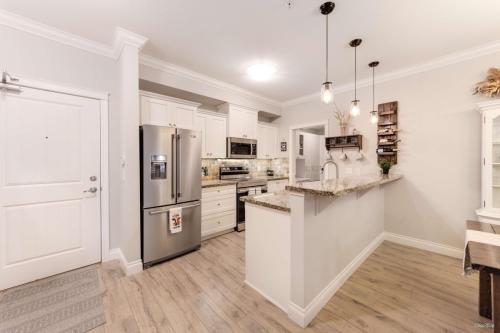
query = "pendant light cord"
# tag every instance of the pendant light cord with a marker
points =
(373, 88)
(326, 60)
(355, 74)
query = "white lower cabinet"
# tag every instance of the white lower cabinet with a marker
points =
(218, 210)
(276, 185)
(214, 224)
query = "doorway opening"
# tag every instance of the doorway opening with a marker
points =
(307, 151)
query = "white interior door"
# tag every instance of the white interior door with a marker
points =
(49, 184)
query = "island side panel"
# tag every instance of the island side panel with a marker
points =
(334, 237)
(267, 253)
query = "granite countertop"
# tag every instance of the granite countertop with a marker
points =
(343, 186)
(216, 182)
(271, 178)
(278, 200)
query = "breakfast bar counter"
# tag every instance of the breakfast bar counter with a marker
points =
(302, 244)
(343, 186)
(279, 200)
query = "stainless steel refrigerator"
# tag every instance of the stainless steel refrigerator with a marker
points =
(170, 178)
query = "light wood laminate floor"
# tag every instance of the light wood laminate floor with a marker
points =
(397, 289)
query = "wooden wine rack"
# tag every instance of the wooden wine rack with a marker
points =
(387, 132)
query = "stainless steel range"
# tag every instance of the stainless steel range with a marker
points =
(246, 185)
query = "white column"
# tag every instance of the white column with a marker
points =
(297, 259)
(128, 46)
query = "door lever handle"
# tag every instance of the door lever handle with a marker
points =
(91, 190)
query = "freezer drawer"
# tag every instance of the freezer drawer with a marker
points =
(158, 243)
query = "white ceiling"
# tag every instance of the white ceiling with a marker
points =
(220, 38)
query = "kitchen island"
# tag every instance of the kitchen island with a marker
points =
(302, 244)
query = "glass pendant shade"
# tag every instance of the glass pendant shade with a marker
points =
(373, 117)
(355, 109)
(327, 92)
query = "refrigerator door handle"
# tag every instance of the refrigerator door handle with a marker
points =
(172, 166)
(162, 211)
(179, 159)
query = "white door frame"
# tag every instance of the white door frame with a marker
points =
(291, 139)
(103, 99)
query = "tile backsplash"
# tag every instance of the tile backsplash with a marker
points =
(257, 168)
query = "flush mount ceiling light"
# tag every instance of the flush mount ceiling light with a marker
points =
(261, 71)
(373, 113)
(327, 86)
(355, 110)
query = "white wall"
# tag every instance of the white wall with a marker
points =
(440, 148)
(32, 57)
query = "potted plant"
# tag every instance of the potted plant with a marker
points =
(385, 165)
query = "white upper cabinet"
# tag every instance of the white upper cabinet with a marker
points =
(162, 110)
(242, 122)
(213, 130)
(267, 141)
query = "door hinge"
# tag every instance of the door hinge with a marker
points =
(484, 203)
(484, 160)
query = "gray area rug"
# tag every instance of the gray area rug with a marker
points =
(68, 302)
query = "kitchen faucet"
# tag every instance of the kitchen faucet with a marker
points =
(329, 160)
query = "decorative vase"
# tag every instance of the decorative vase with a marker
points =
(343, 130)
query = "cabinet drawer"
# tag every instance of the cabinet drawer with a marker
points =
(214, 192)
(216, 223)
(217, 205)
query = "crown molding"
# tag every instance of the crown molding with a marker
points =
(450, 59)
(169, 98)
(202, 78)
(492, 104)
(122, 36)
(125, 37)
(42, 30)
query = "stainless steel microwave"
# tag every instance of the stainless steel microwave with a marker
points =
(241, 148)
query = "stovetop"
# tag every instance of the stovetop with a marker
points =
(241, 175)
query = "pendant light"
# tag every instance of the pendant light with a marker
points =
(355, 110)
(374, 112)
(327, 86)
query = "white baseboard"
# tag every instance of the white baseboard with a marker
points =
(425, 245)
(128, 268)
(303, 316)
(270, 299)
